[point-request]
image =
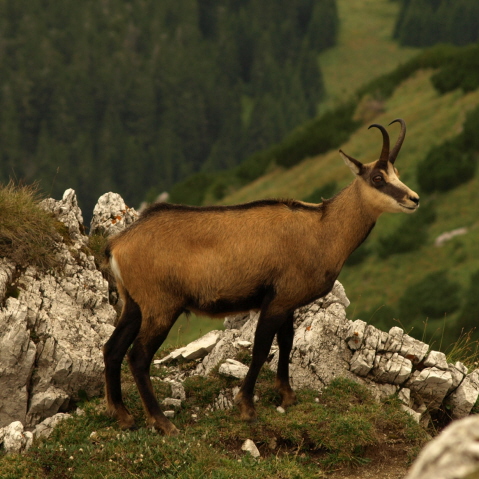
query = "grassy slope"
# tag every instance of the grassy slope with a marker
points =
(344, 426)
(431, 118)
(364, 49)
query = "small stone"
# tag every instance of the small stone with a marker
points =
(169, 414)
(415, 415)
(250, 446)
(233, 369)
(280, 409)
(176, 403)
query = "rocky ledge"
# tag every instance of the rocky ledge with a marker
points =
(53, 326)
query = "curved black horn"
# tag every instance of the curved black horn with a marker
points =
(402, 135)
(385, 151)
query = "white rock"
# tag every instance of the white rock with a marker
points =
(69, 213)
(362, 361)
(436, 359)
(250, 446)
(45, 428)
(233, 369)
(170, 414)
(195, 350)
(237, 321)
(415, 415)
(355, 334)
(405, 396)
(14, 438)
(454, 454)
(223, 349)
(391, 368)
(6, 274)
(432, 384)
(413, 349)
(177, 390)
(202, 346)
(111, 215)
(57, 325)
(17, 360)
(176, 403)
(465, 396)
(448, 235)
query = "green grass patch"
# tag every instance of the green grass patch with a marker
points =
(341, 426)
(27, 232)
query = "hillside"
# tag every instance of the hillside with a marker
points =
(364, 48)
(432, 117)
(403, 84)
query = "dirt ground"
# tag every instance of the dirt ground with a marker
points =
(386, 462)
(374, 471)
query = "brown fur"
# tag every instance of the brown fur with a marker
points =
(272, 256)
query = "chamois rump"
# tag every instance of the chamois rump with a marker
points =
(273, 256)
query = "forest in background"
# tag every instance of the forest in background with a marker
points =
(134, 96)
(191, 97)
(423, 23)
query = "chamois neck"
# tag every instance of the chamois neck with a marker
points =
(349, 217)
(352, 203)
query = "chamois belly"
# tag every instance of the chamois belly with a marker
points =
(227, 305)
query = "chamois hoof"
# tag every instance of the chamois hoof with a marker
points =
(173, 431)
(246, 407)
(288, 399)
(127, 425)
(165, 427)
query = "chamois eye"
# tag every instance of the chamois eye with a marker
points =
(377, 179)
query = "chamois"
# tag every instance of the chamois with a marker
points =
(273, 256)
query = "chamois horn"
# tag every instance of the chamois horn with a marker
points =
(402, 135)
(385, 151)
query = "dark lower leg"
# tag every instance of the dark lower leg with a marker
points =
(140, 358)
(114, 351)
(264, 336)
(285, 342)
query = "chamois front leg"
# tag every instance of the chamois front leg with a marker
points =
(285, 338)
(265, 332)
(150, 338)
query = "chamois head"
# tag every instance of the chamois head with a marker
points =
(380, 179)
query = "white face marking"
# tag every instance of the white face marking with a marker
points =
(389, 194)
(403, 202)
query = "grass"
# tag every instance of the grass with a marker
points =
(27, 232)
(364, 49)
(190, 327)
(340, 427)
(431, 119)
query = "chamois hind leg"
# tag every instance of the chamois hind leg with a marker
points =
(268, 326)
(285, 337)
(113, 352)
(152, 334)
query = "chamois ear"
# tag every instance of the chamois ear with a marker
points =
(354, 165)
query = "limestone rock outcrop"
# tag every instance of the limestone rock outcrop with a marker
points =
(52, 329)
(327, 345)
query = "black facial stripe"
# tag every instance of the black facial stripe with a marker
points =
(393, 191)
